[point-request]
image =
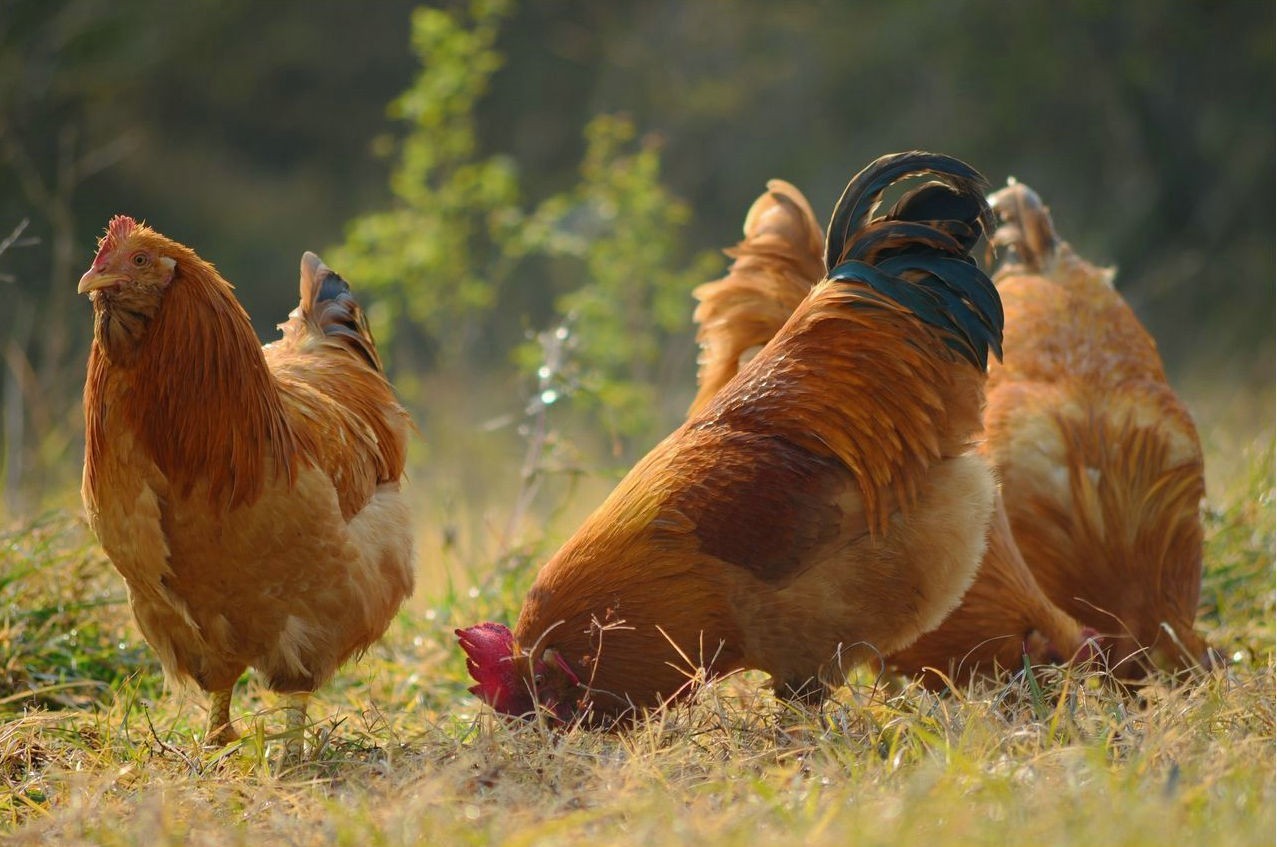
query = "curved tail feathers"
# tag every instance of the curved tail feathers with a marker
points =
(918, 254)
(774, 267)
(329, 312)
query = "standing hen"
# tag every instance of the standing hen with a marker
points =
(825, 505)
(249, 496)
(1099, 459)
(1004, 615)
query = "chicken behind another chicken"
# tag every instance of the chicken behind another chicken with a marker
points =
(773, 269)
(1100, 461)
(249, 498)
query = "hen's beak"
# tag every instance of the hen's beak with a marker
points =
(95, 280)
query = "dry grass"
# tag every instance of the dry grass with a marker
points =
(94, 751)
(1190, 764)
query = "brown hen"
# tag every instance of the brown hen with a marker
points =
(1100, 461)
(248, 496)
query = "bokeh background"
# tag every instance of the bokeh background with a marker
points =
(487, 171)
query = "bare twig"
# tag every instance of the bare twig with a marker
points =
(555, 381)
(165, 747)
(12, 239)
(15, 239)
(104, 156)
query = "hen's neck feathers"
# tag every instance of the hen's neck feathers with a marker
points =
(196, 394)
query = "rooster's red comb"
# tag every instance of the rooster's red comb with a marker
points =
(490, 659)
(116, 231)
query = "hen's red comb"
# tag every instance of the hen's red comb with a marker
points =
(117, 230)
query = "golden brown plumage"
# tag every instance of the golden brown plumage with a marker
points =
(823, 506)
(773, 269)
(1003, 617)
(248, 495)
(1004, 613)
(1099, 459)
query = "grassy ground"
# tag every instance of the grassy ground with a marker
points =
(93, 750)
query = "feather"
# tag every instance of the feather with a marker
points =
(862, 195)
(1025, 232)
(328, 309)
(919, 262)
(202, 345)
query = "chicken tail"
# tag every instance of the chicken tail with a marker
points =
(774, 267)
(330, 312)
(1025, 229)
(918, 255)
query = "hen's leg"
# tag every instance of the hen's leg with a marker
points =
(220, 732)
(295, 723)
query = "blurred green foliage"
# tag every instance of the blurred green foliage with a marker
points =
(631, 295)
(66, 634)
(1239, 552)
(431, 256)
(456, 247)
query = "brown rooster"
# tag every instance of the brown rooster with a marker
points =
(1004, 615)
(248, 495)
(824, 506)
(1100, 461)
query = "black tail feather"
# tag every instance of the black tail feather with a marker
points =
(919, 253)
(326, 302)
(862, 195)
(960, 214)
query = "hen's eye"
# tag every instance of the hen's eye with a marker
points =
(140, 259)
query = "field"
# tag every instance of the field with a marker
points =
(523, 196)
(94, 750)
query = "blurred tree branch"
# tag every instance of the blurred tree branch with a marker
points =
(20, 382)
(39, 392)
(15, 239)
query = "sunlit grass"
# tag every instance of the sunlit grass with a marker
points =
(94, 750)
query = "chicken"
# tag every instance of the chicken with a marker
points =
(1004, 615)
(1100, 461)
(825, 505)
(249, 496)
